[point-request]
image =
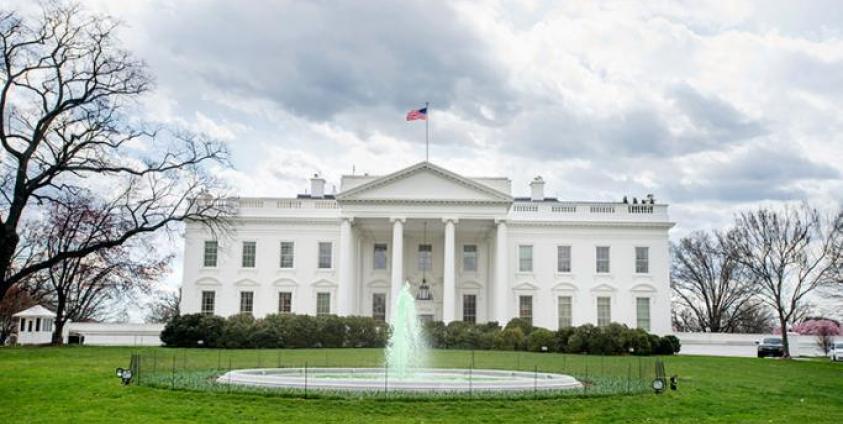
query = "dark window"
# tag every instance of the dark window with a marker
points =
(208, 302)
(247, 300)
(379, 261)
(285, 302)
(379, 306)
(525, 308)
(469, 308)
(469, 258)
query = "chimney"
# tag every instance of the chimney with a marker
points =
(317, 186)
(537, 189)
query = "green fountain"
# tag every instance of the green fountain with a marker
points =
(406, 351)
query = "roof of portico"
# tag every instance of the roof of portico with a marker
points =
(378, 188)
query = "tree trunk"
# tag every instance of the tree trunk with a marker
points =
(785, 342)
(61, 319)
(8, 244)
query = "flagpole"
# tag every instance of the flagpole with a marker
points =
(427, 132)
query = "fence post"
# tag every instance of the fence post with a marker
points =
(279, 359)
(385, 380)
(535, 380)
(472, 359)
(628, 375)
(154, 361)
(173, 376)
(140, 369)
(470, 381)
(259, 358)
(585, 381)
(219, 359)
(305, 379)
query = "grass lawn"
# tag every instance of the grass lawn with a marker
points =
(76, 384)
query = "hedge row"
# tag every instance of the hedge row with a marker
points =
(519, 334)
(274, 331)
(305, 331)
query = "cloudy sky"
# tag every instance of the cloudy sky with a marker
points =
(712, 108)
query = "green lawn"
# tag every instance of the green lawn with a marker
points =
(76, 385)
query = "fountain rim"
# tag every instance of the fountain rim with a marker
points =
(504, 381)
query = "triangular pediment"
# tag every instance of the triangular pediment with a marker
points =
(424, 182)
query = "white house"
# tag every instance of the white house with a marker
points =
(469, 250)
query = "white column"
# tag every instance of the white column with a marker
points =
(397, 258)
(502, 275)
(346, 289)
(449, 277)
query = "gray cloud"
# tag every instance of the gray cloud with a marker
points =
(318, 60)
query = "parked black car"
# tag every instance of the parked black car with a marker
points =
(770, 346)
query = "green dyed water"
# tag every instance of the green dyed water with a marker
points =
(407, 349)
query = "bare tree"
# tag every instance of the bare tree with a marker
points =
(165, 307)
(709, 285)
(789, 254)
(66, 91)
(81, 288)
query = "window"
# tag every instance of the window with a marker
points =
(247, 302)
(249, 248)
(525, 258)
(563, 258)
(29, 326)
(379, 260)
(208, 302)
(642, 260)
(37, 324)
(564, 311)
(285, 302)
(469, 258)
(525, 308)
(48, 325)
(287, 255)
(324, 255)
(22, 327)
(323, 304)
(425, 257)
(379, 306)
(469, 308)
(604, 311)
(602, 259)
(210, 253)
(642, 312)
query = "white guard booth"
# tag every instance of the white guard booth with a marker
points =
(35, 325)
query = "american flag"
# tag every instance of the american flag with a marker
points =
(417, 114)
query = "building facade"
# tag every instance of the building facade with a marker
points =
(467, 248)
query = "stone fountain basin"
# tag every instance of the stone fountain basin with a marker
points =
(444, 380)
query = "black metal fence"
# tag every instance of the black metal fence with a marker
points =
(201, 369)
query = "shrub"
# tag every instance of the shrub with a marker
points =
(330, 331)
(365, 332)
(510, 339)
(238, 331)
(561, 338)
(541, 338)
(435, 332)
(193, 330)
(524, 324)
(668, 345)
(638, 342)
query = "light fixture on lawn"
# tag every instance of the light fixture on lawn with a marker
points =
(124, 374)
(424, 289)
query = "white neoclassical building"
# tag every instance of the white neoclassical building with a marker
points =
(468, 248)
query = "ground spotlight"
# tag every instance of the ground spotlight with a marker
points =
(124, 374)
